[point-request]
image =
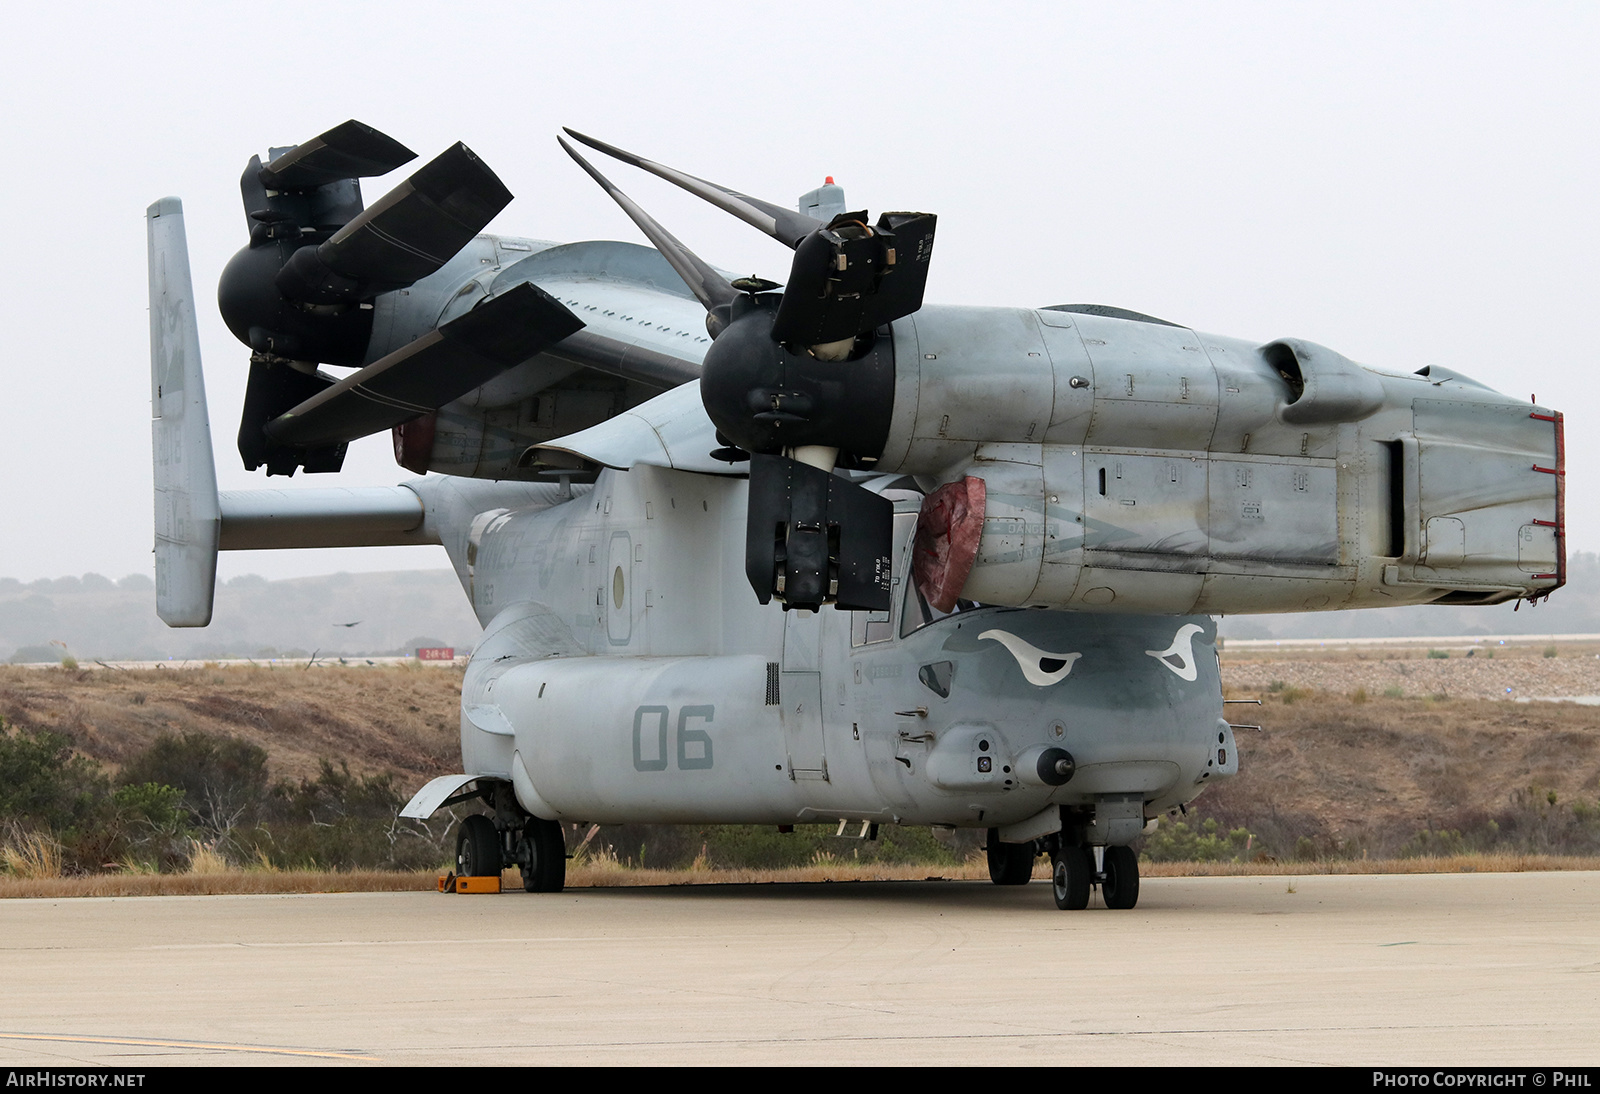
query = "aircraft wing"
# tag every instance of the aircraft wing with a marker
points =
(671, 430)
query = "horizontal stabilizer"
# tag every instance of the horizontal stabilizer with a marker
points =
(337, 516)
(348, 151)
(440, 366)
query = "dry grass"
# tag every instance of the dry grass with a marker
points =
(230, 883)
(602, 875)
(206, 861)
(32, 856)
(378, 719)
(1370, 774)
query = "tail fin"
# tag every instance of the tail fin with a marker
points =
(188, 514)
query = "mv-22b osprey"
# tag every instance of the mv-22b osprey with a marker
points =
(981, 548)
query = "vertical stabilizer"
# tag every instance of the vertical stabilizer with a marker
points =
(188, 516)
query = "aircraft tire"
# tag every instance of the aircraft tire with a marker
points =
(1070, 878)
(1009, 863)
(546, 868)
(478, 848)
(1121, 885)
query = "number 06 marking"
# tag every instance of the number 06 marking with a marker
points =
(650, 745)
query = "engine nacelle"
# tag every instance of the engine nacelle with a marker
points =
(1133, 465)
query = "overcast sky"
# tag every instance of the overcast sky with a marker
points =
(1408, 184)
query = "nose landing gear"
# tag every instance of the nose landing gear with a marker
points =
(1119, 881)
(1074, 873)
(1009, 863)
(1070, 878)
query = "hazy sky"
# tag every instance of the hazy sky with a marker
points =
(1405, 183)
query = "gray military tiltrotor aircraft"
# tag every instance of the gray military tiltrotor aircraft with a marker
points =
(1024, 519)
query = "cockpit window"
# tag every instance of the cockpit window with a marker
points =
(869, 627)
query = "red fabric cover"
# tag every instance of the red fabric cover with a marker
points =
(413, 443)
(948, 529)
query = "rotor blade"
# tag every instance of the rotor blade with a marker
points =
(812, 538)
(274, 386)
(615, 357)
(410, 233)
(440, 366)
(348, 151)
(848, 279)
(708, 286)
(785, 225)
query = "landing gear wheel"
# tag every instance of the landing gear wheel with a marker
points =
(1009, 863)
(1121, 885)
(1070, 879)
(478, 848)
(544, 869)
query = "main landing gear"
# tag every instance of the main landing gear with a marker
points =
(478, 848)
(487, 845)
(542, 856)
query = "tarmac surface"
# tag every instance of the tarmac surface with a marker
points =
(1429, 970)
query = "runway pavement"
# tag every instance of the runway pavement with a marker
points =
(1434, 970)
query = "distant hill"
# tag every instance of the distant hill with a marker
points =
(98, 618)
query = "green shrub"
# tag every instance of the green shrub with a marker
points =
(343, 821)
(1178, 841)
(152, 826)
(201, 790)
(223, 780)
(44, 786)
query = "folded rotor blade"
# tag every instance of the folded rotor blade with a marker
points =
(348, 151)
(848, 278)
(440, 366)
(812, 537)
(709, 287)
(615, 357)
(274, 386)
(410, 233)
(785, 225)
